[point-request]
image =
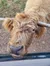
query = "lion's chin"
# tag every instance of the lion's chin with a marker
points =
(16, 56)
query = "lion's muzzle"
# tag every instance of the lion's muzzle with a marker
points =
(16, 50)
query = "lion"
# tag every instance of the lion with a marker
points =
(24, 26)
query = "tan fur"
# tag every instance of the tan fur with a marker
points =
(41, 8)
(8, 24)
(22, 27)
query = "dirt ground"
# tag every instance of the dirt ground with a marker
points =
(38, 45)
(8, 8)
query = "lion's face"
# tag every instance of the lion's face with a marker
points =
(21, 30)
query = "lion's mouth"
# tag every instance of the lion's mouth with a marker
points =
(16, 50)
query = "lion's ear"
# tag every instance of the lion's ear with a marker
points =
(8, 24)
(40, 31)
(20, 15)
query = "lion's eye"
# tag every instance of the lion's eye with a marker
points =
(33, 29)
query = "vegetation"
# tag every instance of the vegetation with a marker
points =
(8, 8)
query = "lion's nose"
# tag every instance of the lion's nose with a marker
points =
(16, 50)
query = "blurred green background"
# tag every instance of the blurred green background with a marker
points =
(8, 8)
